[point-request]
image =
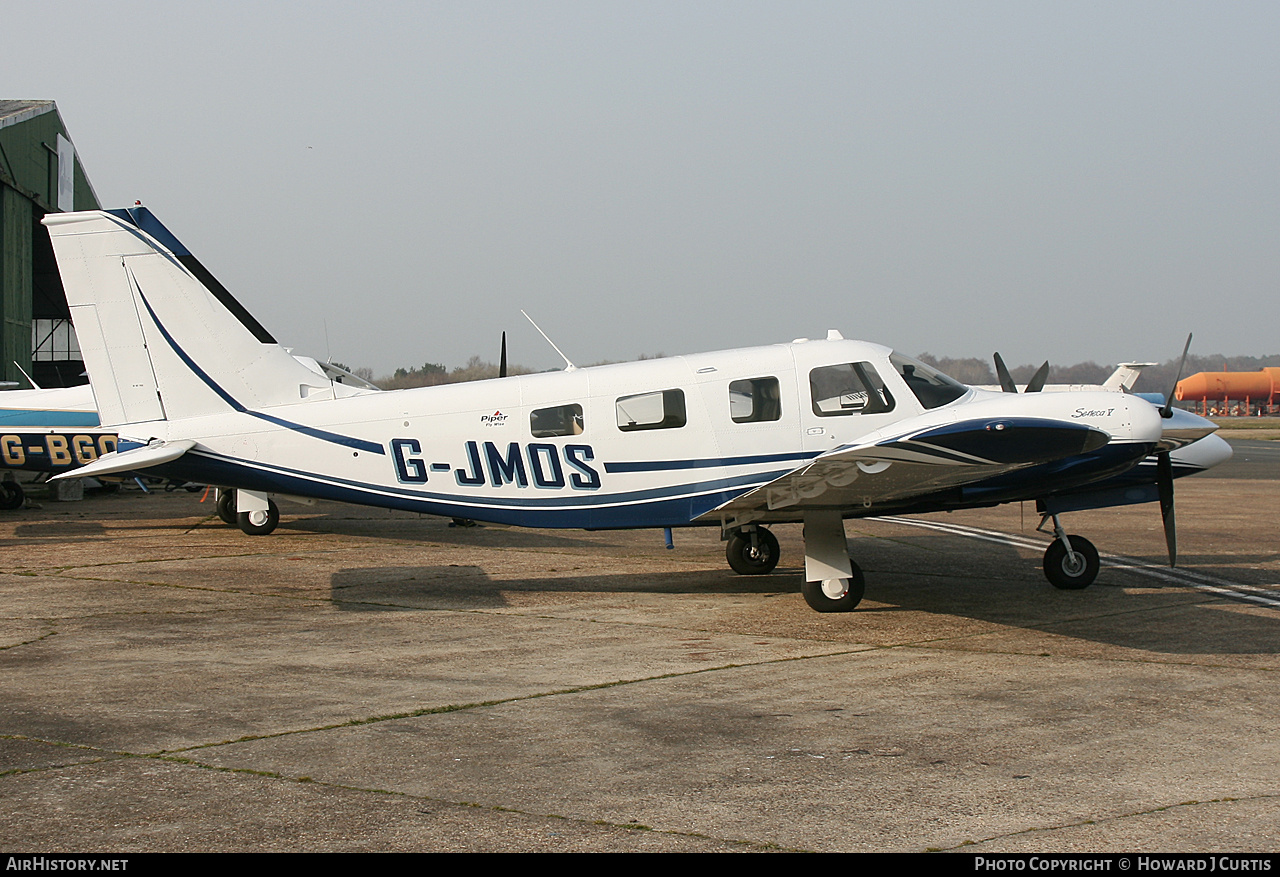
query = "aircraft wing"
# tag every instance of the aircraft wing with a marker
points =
(918, 462)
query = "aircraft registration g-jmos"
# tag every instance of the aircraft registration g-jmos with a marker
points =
(812, 431)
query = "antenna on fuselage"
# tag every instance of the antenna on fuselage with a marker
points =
(33, 384)
(568, 366)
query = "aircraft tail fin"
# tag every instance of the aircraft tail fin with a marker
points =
(1125, 375)
(161, 337)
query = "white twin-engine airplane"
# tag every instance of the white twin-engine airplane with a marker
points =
(811, 431)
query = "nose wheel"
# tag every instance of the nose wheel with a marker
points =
(1070, 562)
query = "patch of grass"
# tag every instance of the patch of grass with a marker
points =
(1247, 422)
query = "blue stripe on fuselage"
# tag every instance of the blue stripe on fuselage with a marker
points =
(325, 435)
(657, 507)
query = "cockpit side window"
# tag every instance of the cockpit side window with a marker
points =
(930, 386)
(849, 388)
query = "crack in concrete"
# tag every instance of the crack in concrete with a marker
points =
(1103, 820)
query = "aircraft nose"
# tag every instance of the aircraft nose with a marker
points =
(1210, 451)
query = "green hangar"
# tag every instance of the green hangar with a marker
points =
(39, 174)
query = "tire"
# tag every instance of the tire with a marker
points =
(836, 595)
(11, 495)
(259, 523)
(753, 562)
(1062, 573)
(227, 507)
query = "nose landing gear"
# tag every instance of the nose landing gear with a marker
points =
(1070, 562)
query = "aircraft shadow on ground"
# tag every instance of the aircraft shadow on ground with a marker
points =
(1209, 564)
(438, 530)
(995, 585)
(470, 588)
(58, 529)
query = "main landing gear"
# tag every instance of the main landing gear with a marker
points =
(12, 495)
(837, 594)
(227, 506)
(1070, 562)
(752, 551)
(254, 513)
(259, 522)
(833, 582)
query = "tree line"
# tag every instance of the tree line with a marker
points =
(969, 370)
(1158, 378)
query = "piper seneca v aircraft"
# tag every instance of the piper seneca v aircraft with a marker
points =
(811, 431)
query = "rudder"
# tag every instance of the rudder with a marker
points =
(161, 338)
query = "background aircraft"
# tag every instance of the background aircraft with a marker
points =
(56, 430)
(810, 431)
(53, 430)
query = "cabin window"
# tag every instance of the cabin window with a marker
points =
(849, 388)
(660, 410)
(930, 386)
(755, 400)
(552, 422)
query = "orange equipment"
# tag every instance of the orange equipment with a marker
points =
(1259, 388)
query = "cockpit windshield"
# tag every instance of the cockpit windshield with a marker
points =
(932, 387)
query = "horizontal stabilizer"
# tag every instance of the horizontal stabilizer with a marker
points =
(127, 461)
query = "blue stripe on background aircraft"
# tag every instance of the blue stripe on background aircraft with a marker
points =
(47, 430)
(809, 432)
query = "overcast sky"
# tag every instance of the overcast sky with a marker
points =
(1053, 180)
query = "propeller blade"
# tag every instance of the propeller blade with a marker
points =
(1167, 411)
(502, 362)
(1164, 482)
(1036, 384)
(1006, 379)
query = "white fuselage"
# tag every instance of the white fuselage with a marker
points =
(489, 450)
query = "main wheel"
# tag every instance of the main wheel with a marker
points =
(11, 495)
(227, 507)
(835, 595)
(1064, 572)
(753, 561)
(259, 523)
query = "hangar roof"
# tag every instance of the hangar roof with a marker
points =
(34, 139)
(14, 111)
